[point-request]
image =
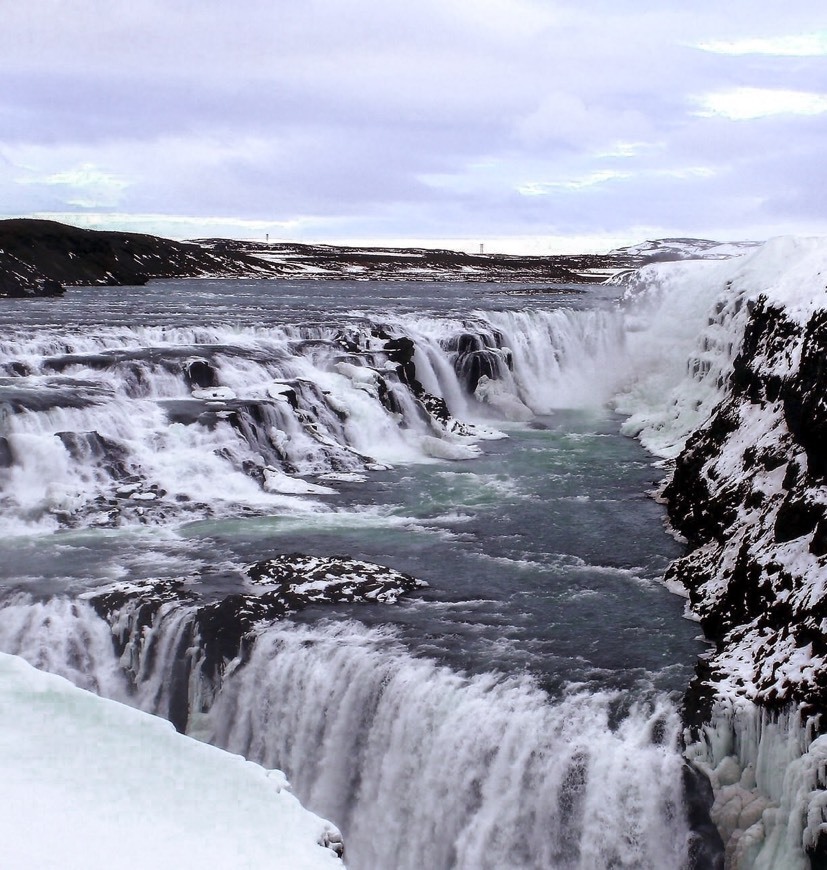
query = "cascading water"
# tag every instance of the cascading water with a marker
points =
(421, 765)
(515, 715)
(425, 767)
(101, 423)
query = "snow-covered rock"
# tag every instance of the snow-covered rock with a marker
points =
(749, 490)
(217, 631)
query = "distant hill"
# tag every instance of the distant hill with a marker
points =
(660, 250)
(294, 260)
(41, 258)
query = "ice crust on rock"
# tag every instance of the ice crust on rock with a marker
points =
(84, 780)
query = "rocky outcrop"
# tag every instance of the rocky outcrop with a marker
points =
(171, 625)
(749, 493)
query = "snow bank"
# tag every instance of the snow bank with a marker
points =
(87, 783)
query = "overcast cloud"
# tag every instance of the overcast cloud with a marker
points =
(527, 125)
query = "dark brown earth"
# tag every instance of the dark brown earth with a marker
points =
(41, 258)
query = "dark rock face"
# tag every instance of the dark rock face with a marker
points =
(479, 355)
(706, 848)
(748, 492)
(818, 854)
(201, 374)
(805, 397)
(6, 458)
(92, 447)
(401, 351)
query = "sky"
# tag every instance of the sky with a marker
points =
(536, 126)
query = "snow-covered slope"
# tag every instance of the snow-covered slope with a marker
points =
(685, 249)
(87, 783)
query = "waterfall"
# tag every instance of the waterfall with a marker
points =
(129, 426)
(424, 767)
(419, 765)
(114, 428)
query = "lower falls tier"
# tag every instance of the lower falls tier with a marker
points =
(419, 766)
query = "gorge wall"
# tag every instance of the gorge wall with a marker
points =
(749, 494)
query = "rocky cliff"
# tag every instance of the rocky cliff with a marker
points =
(749, 494)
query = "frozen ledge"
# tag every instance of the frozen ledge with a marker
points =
(86, 783)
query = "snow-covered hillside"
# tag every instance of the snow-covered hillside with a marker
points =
(685, 249)
(88, 783)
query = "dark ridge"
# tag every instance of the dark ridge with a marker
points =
(41, 258)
